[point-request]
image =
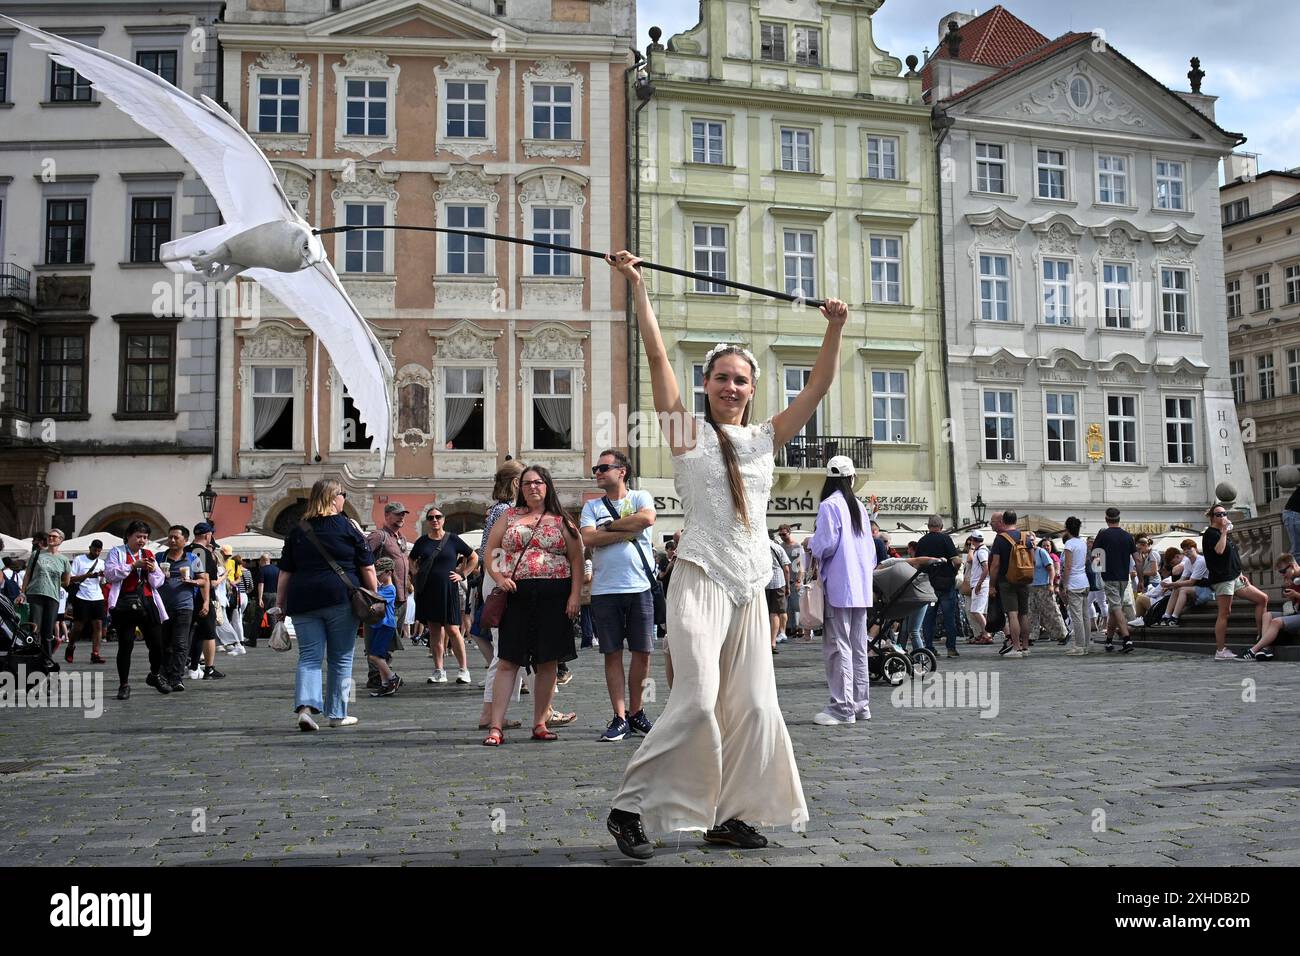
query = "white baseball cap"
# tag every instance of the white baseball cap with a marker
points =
(841, 466)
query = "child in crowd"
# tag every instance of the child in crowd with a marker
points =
(381, 634)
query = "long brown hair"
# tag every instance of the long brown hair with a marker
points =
(725, 447)
(551, 503)
(505, 480)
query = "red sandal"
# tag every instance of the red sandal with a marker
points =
(494, 738)
(546, 733)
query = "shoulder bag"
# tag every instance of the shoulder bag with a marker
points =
(368, 606)
(656, 587)
(812, 602)
(494, 608)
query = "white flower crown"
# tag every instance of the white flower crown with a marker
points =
(723, 346)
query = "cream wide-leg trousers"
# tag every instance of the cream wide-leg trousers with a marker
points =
(720, 750)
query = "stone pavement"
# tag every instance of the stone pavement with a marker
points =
(1184, 770)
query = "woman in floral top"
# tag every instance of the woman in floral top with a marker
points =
(536, 558)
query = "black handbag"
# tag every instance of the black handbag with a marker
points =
(369, 607)
(656, 587)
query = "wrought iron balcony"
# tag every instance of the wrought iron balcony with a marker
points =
(15, 282)
(815, 452)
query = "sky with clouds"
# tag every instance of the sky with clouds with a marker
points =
(1244, 46)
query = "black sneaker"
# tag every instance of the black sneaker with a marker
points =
(374, 683)
(162, 686)
(639, 723)
(629, 834)
(1249, 655)
(1110, 646)
(1127, 648)
(736, 833)
(1006, 646)
(152, 680)
(1264, 654)
(178, 688)
(124, 692)
(387, 690)
(618, 728)
(212, 673)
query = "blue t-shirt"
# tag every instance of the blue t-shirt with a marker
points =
(389, 593)
(615, 567)
(270, 578)
(1042, 566)
(314, 584)
(175, 593)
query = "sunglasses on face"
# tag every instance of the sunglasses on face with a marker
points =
(534, 484)
(601, 469)
(1221, 514)
(434, 517)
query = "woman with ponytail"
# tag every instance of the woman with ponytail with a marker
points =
(719, 758)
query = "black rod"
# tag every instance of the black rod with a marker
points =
(757, 290)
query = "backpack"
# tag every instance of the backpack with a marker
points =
(11, 588)
(1020, 566)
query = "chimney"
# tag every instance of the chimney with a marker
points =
(1243, 166)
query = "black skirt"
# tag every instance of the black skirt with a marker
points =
(534, 629)
(438, 603)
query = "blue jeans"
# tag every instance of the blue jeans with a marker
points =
(910, 635)
(331, 630)
(947, 606)
(1291, 522)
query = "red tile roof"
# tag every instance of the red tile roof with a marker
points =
(1022, 62)
(994, 38)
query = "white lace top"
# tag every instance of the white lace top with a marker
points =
(713, 536)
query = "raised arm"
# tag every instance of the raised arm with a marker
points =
(786, 424)
(677, 424)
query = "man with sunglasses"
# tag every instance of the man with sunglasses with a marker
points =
(388, 541)
(616, 527)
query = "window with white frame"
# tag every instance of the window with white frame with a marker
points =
(699, 400)
(464, 410)
(709, 243)
(1268, 472)
(555, 225)
(1264, 376)
(552, 408)
(1293, 371)
(708, 142)
(466, 110)
(278, 104)
(1174, 300)
(882, 157)
(363, 248)
(796, 150)
(1291, 276)
(67, 85)
(273, 408)
(1112, 179)
(1117, 295)
(1237, 376)
(1263, 293)
(995, 288)
(886, 269)
(1233, 211)
(1121, 429)
(888, 406)
(800, 262)
(552, 111)
(367, 108)
(1171, 184)
(772, 42)
(1062, 415)
(808, 46)
(1234, 298)
(1180, 431)
(796, 380)
(999, 426)
(466, 255)
(1051, 174)
(160, 62)
(1058, 292)
(990, 167)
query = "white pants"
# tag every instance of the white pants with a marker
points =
(720, 750)
(1097, 606)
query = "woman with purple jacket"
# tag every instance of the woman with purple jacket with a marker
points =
(846, 555)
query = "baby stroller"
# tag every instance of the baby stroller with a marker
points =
(900, 589)
(19, 643)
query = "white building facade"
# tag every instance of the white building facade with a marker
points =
(1083, 288)
(108, 409)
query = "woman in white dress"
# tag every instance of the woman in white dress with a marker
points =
(720, 754)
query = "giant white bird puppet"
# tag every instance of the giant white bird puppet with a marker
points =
(263, 236)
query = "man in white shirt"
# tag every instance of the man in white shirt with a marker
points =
(88, 600)
(1191, 588)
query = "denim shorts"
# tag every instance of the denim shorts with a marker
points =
(624, 618)
(1202, 596)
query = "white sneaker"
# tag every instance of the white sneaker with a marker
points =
(1137, 622)
(196, 674)
(463, 677)
(343, 721)
(826, 720)
(863, 714)
(1224, 655)
(305, 722)
(1025, 652)
(240, 650)
(439, 676)
(1014, 653)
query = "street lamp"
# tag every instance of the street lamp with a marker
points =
(979, 508)
(207, 499)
